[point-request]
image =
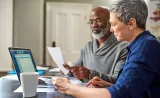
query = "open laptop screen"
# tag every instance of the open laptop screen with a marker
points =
(23, 60)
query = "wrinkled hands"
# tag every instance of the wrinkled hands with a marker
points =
(98, 83)
(79, 72)
(61, 84)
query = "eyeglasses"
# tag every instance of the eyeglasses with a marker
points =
(97, 21)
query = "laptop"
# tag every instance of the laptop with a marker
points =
(23, 61)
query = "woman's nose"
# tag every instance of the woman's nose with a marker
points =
(111, 29)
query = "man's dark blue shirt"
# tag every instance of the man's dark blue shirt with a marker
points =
(140, 75)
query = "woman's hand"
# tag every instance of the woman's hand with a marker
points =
(61, 84)
(98, 83)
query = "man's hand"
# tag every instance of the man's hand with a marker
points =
(80, 72)
(98, 83)
(66, 66)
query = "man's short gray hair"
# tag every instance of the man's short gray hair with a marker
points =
(126, 9)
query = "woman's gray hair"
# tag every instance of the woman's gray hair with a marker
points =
(127, 9)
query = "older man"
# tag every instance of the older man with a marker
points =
(140, 75)
(104, 55)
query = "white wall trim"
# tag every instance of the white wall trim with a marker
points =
(6, 33)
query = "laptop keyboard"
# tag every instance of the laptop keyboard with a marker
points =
(41, 82)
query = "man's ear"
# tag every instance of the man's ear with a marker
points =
(132, 23)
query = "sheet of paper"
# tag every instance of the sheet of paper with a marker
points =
(49, 89)
(57, 57)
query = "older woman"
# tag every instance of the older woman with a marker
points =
(140, 75)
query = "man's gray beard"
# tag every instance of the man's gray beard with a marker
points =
(99, 35)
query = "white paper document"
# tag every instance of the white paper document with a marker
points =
(57, 57)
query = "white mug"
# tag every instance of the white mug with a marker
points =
(29, 83)
(71, 63)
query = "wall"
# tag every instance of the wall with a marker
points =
(6, 27)
(28, 26)
(74, 1)
(93, 2)
(154, 25)
(102, 3)
(148, 20)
